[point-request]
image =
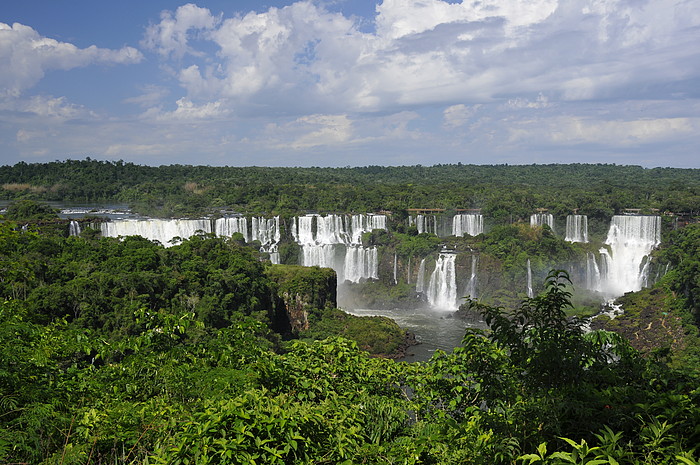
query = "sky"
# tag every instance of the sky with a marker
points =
(351, 83)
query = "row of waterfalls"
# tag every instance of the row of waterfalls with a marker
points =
(335, 241)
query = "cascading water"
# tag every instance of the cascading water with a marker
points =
(396, 268)
(227, 227)
(576, 228)
(267, 231)
(540, 219)
(442, 288)
(471, 224)
(335, 241)
(593, 276)
(420, 280)
(424, 224)
(74, 228)
(471, 287)
(360, 263)
(530, 292)
(630, 239)
(408, 271)
(159, 230)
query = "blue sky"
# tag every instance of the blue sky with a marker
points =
(351, 83)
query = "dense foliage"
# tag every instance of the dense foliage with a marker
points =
(505, 193)
(128, 352)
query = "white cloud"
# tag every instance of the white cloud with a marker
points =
(171, 35)
(458, 115)
(26, 56)
(322, 130)
(621, 133)
(187, 111)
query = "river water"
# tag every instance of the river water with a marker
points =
(434, 329)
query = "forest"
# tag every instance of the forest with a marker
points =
(127, 351)
(504, 192)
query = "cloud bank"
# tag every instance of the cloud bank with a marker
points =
(482, 81)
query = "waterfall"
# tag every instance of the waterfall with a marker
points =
(267, 231)
(576, 228)
(360, 224)
(593, 277)
(540, 219)
(396, 262)
(227, 227)
(424, 224)
(319, 255)
(360, 262)
(630, 239)
(304, 233)
(442, 289)
(159, 230)
(471, 288)
(472, 224)
(420, 280)
(530, 293)
(408, 272)
(335, 241)
(74, 228)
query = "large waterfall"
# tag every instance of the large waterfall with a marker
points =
(540, 219)
(227, 227)
(576, 228)
(163, 231)
(471, 224)
(335, 241)
(630, 240)
(442, 288)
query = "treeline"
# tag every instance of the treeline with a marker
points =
(127, 352)
(504, 192)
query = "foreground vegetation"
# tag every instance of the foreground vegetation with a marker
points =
(127, 352)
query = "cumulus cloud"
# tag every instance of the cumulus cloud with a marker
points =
(304, 58)
(27, 55)
(171, 35)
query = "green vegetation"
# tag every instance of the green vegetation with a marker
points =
(128, 352)
(505, 193)
(123, 351)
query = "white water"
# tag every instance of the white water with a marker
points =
(420, 280)
(471, 288)
(442, 288)
(163, 231)
(335, 241)
(424, 224)
(267, 231)
(472, 224)
(593, 276)
(227, 227)
(360, 262)
(630, 240)
(530, 293)
(74, 228)
(576, 228)
(540, 219)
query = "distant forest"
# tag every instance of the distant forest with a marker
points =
(504, 192)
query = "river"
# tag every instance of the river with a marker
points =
(434, 329)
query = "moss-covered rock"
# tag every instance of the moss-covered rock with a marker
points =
(300, 289)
